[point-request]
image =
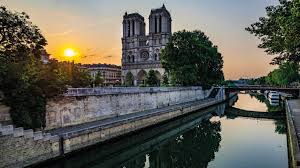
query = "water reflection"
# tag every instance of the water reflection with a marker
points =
(184, 150)
(271, 106)
(196, 140)
(249, 102)
(187, 142)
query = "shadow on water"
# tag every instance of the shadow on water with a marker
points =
(172, 144)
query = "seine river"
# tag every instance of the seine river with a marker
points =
(208, 138)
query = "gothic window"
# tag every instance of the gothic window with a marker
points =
(129, 59)
(145, 55)
(155, 57)
(155, 21)
(133, 28)
(160, 25)
(128, 28)
(132, 58)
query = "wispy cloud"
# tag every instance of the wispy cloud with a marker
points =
(108, 56)
(64, 33)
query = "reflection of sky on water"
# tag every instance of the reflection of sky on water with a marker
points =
(195, 140)
(250, 143)
(246, 102)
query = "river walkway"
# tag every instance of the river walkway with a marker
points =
(293, 125)
(68, 131)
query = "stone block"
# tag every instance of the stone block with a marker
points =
(47, 136)
(54, 138)
(38, 135)
(18, 132)
(28, 133)
(7, 130)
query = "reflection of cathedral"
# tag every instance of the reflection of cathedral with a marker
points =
(140, 52)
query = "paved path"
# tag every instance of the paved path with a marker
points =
(293, 122)
(129, 117)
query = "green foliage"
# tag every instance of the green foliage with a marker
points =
(98, 81)
(279, 31)
(165, 81)
(190, 58)
(284, 75)
(25, 81)
(151, 79)
(18, 37)
(129, 79)
(80, 77)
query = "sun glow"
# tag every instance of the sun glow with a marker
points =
(69, 52)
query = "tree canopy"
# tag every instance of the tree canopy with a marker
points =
(151, 79)
(279, 31)
(25, 80)
(98, 81)
(190, 58)
(284, 75)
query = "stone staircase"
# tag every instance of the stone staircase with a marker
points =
(20, 148)
(9, 130)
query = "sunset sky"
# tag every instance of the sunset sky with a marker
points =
(94, 27)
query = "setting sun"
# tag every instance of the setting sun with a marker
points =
(69, 52)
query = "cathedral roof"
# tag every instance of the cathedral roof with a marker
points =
(161, 10)
(132, 15)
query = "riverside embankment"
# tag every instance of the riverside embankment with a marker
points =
(87, 118)
(293, 129)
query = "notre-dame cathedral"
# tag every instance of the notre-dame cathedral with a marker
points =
(141, 52)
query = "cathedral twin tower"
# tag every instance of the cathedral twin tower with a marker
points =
(140, 52)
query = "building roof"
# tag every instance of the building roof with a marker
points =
(160, 10)
(101, 66)
(132, 15)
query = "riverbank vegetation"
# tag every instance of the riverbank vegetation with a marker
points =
(191, 59)
(25, 80)
(279, 35)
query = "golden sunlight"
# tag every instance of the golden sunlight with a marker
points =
(69, 52)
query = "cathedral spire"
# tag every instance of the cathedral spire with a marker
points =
(163, 6)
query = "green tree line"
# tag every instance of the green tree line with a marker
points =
(279, 32)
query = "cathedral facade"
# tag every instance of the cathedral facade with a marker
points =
(141, 52)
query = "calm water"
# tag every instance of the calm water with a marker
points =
(204, 139)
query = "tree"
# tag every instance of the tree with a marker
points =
(18, 36)
(129, 79)
(26, 82)
(279, 31)
(284, 75)
(165, 80)
(98, 81)
(190, 58)
(80, 77)
(151, 79)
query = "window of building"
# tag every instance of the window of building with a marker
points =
(129, 59)
(155, 21)
(133, 28)
(128, 28)
(155, 57)
(160, 25)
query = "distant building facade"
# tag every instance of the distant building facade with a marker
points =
(141, 52)
(111, 74)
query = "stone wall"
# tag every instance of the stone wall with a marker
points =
(86, 105)
(73, 141)
(21, 147)
(4, 113)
